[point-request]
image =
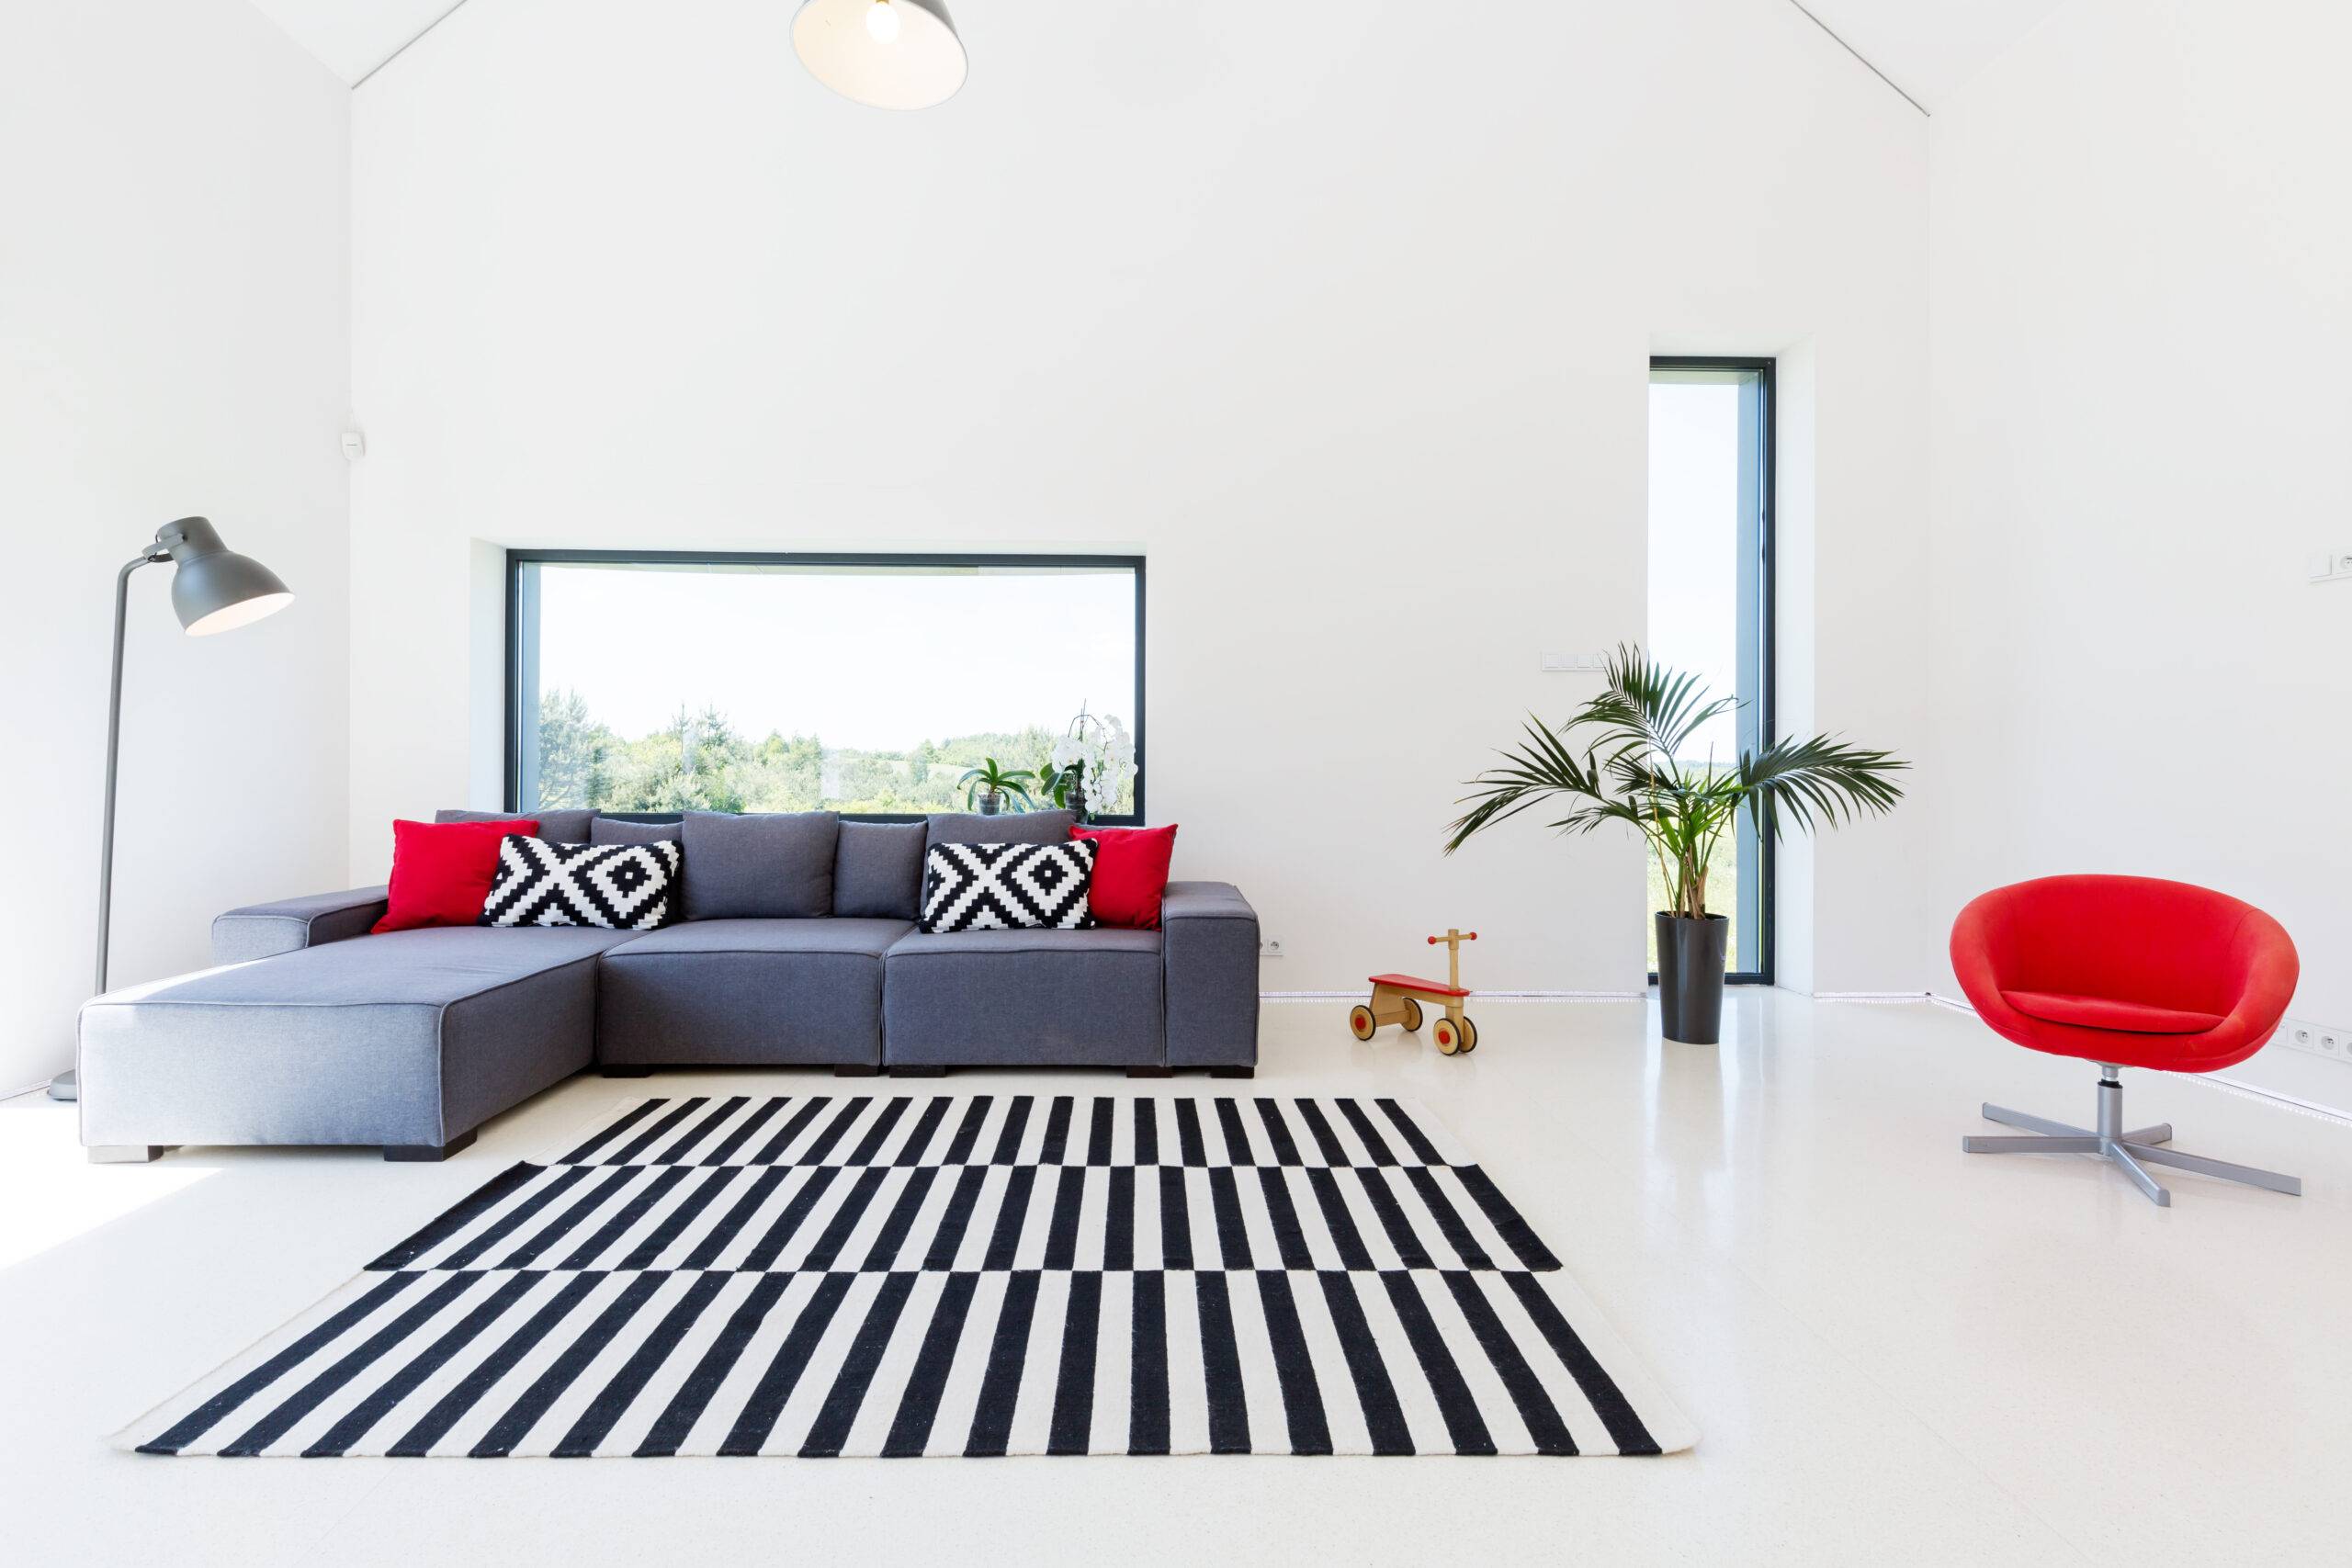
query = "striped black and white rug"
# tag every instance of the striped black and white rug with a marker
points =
(973, 1275)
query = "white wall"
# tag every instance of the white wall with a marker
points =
(174, 241)
(1342, 316)
(2143, 320)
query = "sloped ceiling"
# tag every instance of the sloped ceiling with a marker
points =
(353, 37)
(1927, 48)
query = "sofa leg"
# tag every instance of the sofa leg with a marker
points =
(125, 1154)
(1250, 1072)
(1151, 1072)
(917, 1070)
(426, 1153)
(626, 1072)
(857, 1070)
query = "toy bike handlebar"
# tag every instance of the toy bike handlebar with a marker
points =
(1466, 936)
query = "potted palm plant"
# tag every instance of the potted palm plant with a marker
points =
(988, 788)
(1631, 769)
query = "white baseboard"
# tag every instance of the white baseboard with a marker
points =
(29, 1088)
(2285, 1101)
(1879, 997)
(2222, 1081)
(1474, 996)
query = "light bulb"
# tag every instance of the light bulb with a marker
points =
(882, 22)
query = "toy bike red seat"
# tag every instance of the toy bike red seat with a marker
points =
(1415, 982)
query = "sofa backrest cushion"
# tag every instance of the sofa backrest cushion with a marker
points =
(877, 870)
(777, 866)
(555, 827)
(613, 830)
(1021, 827)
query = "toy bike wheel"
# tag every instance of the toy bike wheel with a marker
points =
(1449, 1038)
(1360, 1021)
(1469, 1037)
(1412, 1015)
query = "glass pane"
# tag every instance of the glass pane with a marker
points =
(776, 687)
(1706, 525)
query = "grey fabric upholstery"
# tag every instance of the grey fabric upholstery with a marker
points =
(264, 930)
(313, 1031)
(557, 826)
(409, 1038)
(613, 830)
(761, 992)
(1023, 828)
(1024, 999)
(777, 866)
(877, 870)
(1211, 934)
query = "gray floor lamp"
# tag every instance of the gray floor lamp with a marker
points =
(214, 589)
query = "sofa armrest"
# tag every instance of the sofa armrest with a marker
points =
(1209, 936)
(288, 925)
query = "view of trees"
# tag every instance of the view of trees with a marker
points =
(698, 761)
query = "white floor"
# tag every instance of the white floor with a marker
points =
(1896, 1353)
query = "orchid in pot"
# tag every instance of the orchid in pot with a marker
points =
(1633, 769)
(1092, 766)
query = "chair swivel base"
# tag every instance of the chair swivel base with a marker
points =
(2130, 1151)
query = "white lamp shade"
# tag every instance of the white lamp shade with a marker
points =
(923, 64)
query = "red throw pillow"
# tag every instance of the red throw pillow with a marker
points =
(1130, 874)
(441, 871)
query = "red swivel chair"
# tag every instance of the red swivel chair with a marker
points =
(2127, 972)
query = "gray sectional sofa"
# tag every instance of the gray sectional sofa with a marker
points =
(799, 948)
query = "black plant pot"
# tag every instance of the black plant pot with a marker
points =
(1690, 976)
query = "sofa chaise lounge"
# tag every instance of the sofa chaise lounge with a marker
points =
(310, 1030)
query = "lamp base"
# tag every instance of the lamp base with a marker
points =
(65, 1086)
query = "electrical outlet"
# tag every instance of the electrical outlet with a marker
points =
(1270, 948)
(2332, 565)
(2318, 1039)
(1574, 663)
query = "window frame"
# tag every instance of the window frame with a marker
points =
(1767, 606)
(517, 558)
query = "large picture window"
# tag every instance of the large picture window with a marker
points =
(657, 683)
(1711, 601)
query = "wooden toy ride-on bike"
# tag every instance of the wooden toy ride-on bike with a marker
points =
(1396, 998)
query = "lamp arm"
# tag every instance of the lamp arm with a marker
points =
(114, 745)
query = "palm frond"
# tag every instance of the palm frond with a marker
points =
(1631, 771)
(1815, 780)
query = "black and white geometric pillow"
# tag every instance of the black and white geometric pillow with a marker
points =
(624, 887)
(990, 888)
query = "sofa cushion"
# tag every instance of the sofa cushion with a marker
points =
(980, 887)
(714, 992)
(1130, 874)
(1022, 827)
(562, 826)
(1037, 998)
(411, 1037)
(613, 830)
(628, 887)
(442, 872)
(877, 870)
(777, 866)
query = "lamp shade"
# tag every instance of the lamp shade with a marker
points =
(887, 54)
(214, 589)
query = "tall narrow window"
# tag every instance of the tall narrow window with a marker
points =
(1711, 599)
(664, 682)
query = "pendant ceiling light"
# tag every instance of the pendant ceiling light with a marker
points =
(887, 54)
